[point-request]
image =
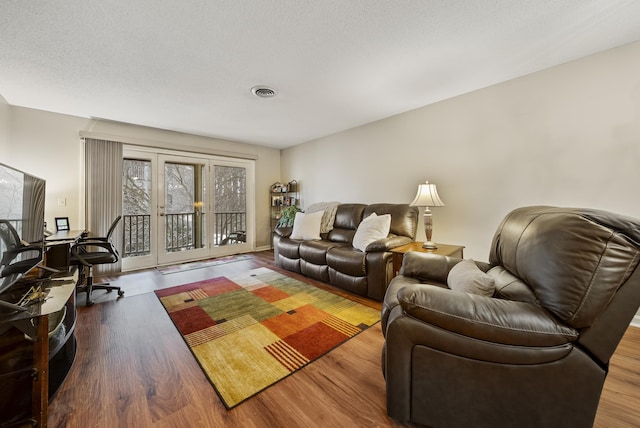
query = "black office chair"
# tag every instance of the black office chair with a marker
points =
(235, 238)
(90, 251)
(17, 256)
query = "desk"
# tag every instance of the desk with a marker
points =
(443, 250)
(58, 248)
(65, 235)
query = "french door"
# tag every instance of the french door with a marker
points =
(179, 207)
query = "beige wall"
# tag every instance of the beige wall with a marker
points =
(567, 136)
(4, 128)
(48, 145)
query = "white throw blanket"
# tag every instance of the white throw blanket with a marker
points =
(329, 208)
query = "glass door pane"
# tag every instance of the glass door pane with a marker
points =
(182, 209)
(138, 210)
(229, 205)
(232, 196)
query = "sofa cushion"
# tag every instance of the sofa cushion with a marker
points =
(289, 248)
(319, 272)
(306, 226)
(371, 229)
(467, 277)
(316, 251)
(347, 260)
(292, 265)
(348, 217)
(353, 284)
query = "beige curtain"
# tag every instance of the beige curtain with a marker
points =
(103, 192)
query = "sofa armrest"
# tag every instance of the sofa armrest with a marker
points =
(432, 267)
(484, 318)
(284, 231)
(387, 244)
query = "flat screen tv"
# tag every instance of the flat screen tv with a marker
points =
(21, 224)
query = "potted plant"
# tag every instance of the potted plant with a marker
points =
(287, 215)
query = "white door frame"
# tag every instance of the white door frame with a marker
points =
(157, 256)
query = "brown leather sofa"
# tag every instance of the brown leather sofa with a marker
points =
(536, 353)
(334, 260)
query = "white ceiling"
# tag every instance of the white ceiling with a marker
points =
(189, 65)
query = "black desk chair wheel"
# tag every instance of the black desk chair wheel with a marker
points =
(90, 251)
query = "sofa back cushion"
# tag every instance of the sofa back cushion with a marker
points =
(574, 260)
(348, 217)
(404, 219)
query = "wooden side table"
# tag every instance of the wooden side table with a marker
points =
(443, 250)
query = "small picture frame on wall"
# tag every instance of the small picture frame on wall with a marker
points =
(62, 223)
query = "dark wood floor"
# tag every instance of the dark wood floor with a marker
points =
(134, 370)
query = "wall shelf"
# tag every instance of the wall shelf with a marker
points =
(282, 196)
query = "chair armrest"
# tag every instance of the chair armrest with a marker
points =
(80, 247)
(14, 252)
(387, 244)
(484, 318)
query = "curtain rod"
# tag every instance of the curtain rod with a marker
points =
(165, 145)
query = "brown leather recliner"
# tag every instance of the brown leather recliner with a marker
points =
(536, 353)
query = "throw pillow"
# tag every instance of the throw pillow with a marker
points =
(306, 226)
(329, 216)
(466, 276)
(371, 229)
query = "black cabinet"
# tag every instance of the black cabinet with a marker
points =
(37, 348)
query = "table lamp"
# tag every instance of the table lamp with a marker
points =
(426, 197)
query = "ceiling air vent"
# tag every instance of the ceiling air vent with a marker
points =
(263, 92)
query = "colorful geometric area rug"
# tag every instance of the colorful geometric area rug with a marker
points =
(165, 270)
(251, 330)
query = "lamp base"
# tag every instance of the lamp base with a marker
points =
(429, 245)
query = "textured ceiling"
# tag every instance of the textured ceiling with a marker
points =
(189, 65)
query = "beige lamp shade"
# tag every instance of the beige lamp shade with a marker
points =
(427, 196)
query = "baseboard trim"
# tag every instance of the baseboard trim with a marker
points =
(635, 322)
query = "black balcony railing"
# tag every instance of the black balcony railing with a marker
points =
(229, 228)
(181, 232)
(137, 235)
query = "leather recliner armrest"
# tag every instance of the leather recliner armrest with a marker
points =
(387, 244)
(390, 301)
(484, 318)
(432, 267)
(284, 232)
